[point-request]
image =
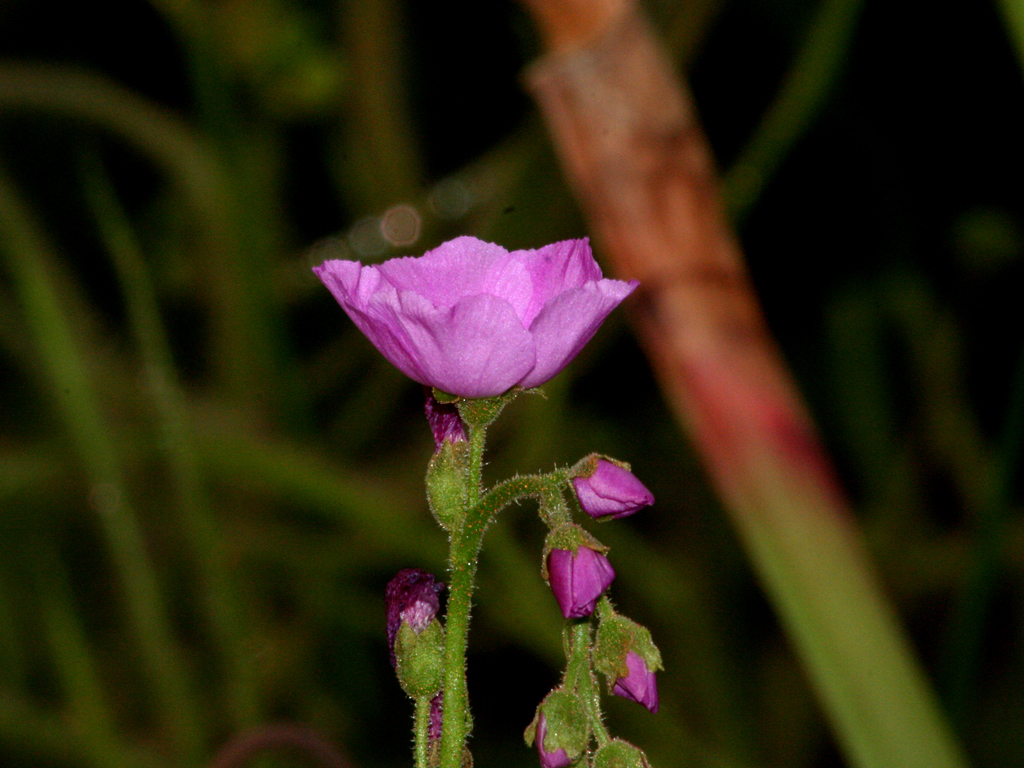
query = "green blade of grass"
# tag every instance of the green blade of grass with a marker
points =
(91, 716)
(800, 97)
(244, 356)
(198, 518)
(1013, 17)
(29, 261)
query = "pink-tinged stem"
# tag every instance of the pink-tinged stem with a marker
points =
(630, 142)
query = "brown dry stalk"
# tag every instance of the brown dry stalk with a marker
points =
(632, 146)
(630, 140)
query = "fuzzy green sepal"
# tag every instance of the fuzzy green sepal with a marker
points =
(619, 754)
(616, 637)
(448, 483)
(420, 659)
(566, 723)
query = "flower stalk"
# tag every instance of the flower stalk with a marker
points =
(478, 325)
(580, 676)
(422, 729)
(466, 540)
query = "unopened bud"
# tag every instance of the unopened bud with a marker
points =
(445, 422)
(412, 597)
(559, 729)
(626, 655)
(576, 570)
(447, 472)
(609, 490)
(420, 659)
(619, 754)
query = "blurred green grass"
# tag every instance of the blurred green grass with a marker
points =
(207, 476)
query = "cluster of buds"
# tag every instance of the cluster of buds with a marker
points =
(575, 565)
(567, 728)
(578, 571)
(563, 729)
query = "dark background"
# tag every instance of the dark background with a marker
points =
(886, 243)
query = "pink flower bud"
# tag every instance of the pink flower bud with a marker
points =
(639, 685)
(578, 580)
(611, 491)
(445, 422)
(412, 597)
(555, 759)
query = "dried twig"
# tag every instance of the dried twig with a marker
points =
(631, 143)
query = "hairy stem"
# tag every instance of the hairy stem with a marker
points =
(580, 676)
(422, 726)
(465, 546)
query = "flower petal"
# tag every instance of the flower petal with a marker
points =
(577, 580)
(556, 758)
(568, 321)
(475, 349)
(557, 268)
(640, 685)
(510, 280)
(450, 272)
(373, 305)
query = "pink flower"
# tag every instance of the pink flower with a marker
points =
(611, 490)
(640, 684)
(474, 320)
(578, 580)
(557, 758)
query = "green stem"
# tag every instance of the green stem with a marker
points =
(580, 676)
(476, 466)
(466, 539)
(545, 488)
(460, 595)
(422, 726)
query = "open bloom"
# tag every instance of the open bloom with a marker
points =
(640, 684)
(578, 580)
(473, 319)
(611, 491)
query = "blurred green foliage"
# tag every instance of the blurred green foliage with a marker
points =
(207, 475)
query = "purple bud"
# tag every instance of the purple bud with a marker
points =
(578, 580)
(411, 597)
(445, 422)
(639, 685)
(436, 717)
(611, 490)
(555, 759)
